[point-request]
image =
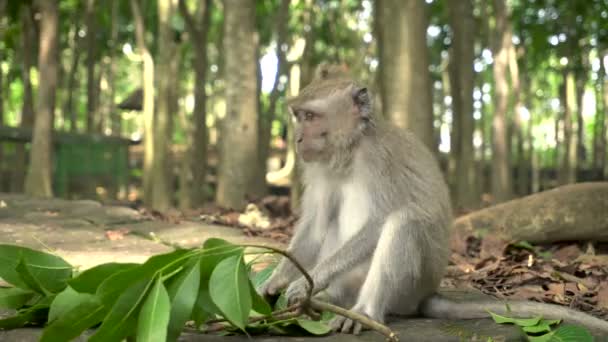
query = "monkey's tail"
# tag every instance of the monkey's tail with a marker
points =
(439, 306)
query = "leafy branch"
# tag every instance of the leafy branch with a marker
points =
(209, 286)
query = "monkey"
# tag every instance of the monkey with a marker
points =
(326, 71)
(375, 217)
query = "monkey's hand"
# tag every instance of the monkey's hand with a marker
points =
(347, 325)
(272, 286)
(297, 291)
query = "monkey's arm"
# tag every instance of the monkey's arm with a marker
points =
(304, 246)
(359, 248)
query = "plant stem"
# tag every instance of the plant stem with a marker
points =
(366, 321)
(296, 264)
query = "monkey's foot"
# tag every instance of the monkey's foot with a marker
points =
(347, 325)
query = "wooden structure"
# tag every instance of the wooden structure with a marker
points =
(81, 163)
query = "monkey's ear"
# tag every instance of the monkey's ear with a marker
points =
(362, 99)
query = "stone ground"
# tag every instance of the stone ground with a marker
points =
(76, 230)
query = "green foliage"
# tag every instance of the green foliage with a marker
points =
(149, 302)
(28, 269)
(539, 329)
(566, 333)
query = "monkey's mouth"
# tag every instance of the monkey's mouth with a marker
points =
(308, 155)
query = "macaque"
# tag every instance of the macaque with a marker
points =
(326, 71)
(375, 216)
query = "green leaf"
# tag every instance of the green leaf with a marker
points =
(28, 278)
(214, 251)
(154, 314)
(542, 327)
(122, 319)
(89, 280)
(229, 289)
(313, 327)
(71, 324)
(115, 284)
(565, 333)
(36, 315)
(523, 245)
(183, 290)
(204, 308)
(281, 302)
(258, 303)
(65, 301)
(49, 269)
(522, 322)
(260, 277)
(14, 297)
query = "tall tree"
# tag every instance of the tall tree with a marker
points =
(72, 79)
(38, 180)
(112, 113)
(268, 115)
(462, 80)
(569, 161)
(148, 99)
(599, 127)
(195, 161)
(2, 58)
(92, 79)
(28, 37)
(239, 141)
(518, 124)
(501, 175)
(405, 81)
(163, 121)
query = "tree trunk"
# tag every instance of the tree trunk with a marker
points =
(194, 190)
(602, 165)
(405, 79)
(599, 132)
(501, 175)
(162, 178)
(281, 20)
(28, 37)
(72, 83)
(112, 112)
(518, 124)
(148, 100)
(236, 176)
(567, 213)
(605, 127)
(38, 180)
(2, 58)
(462, 79)
(567, 172)
(581, 151)
(92, 81)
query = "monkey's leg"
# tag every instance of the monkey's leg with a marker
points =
(395, 276)
(344, 290)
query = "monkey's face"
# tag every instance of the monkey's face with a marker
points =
(325, 126)
(312, 134)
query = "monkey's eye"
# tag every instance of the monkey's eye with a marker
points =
(308, 116)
